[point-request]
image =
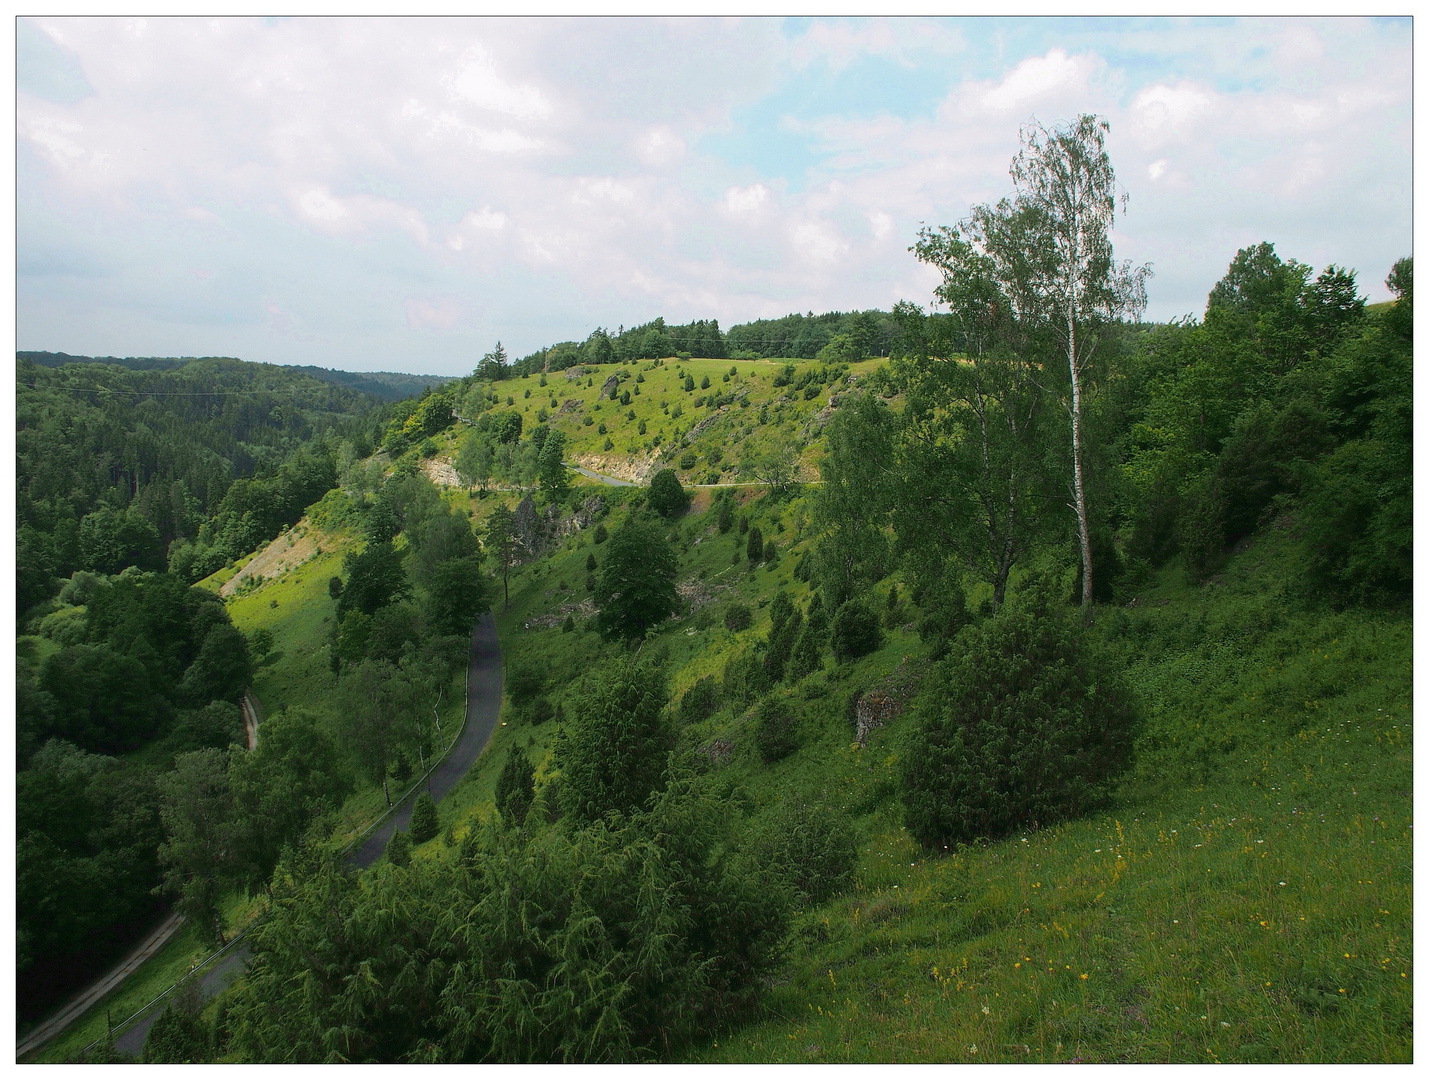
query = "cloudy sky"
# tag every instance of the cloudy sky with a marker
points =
(379, 194)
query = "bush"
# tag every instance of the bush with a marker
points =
(425, 824)
(613, 753)
(524, 683)
(755, 544)
(745, 680)
(399, 849)
(1025, 725)
(667, 497)
(854, 632)
(570, 623)
(738, 618)
(774, 730)
(600, 534)
(516, 787)
(700, 701)
(812, 846)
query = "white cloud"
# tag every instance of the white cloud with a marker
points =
(530, 179)
(746, 200)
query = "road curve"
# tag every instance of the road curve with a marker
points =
(483, 703)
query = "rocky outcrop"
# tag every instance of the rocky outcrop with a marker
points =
(885, 700)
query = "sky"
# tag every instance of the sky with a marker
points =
(378, 194)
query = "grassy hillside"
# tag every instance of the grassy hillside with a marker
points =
(703, 433)
(1247, 897)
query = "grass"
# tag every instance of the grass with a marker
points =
(1246, 897)
(762, 417)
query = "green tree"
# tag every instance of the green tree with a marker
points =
(493, 366)
(198, 852)
(754, 545)
(516, 786)
(667, 496)
(475, 460)
(457, 592)
(1026, 724)
(425, 823)
(854, 631)
(501, 544)
(399, 849)
(1065, 177)
(374, 577)
(635, 588)
(554, 480)
(612, 756)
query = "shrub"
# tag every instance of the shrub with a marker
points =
(425, 824)
(724, 514)
(523, 683)
(700, 701)
(754, 546)
(599, 535)
(738, 618)
(570, 623)
(812, 846)
(667, 496)
(613, 753)
(745, 680)
(399, 849)
(774, 729)
(1025, 725)
(854, 631)
(516, 787)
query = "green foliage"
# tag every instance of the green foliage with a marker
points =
(650, 932)
(636, 586)
(612, 754)
(179, 1036)
(667, 496)
(744, 680)
(812, 846)
(754, 545)
(700, 701)
(775, 731)
(516, 787)
(1025, 724)
(399, 849)
(738, 617)
(425, 825)
(554, 480)
(374, 577)
(854, 631)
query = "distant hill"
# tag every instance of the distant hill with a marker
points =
(383, 385)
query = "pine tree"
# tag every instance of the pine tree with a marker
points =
(425, 823)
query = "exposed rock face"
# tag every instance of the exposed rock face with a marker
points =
(718, 751)
(608, 385)
(574, 373)
(885, 700)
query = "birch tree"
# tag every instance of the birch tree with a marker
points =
(1064, 178)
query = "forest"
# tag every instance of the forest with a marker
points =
(786, 770)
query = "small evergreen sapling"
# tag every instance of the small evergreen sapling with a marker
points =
(425, 823)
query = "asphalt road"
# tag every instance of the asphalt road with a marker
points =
(483, 703)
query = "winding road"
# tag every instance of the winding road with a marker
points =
(483, 703)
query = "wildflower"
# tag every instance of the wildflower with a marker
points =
(986, 1011)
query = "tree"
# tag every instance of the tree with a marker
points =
(854, 631)
(374, 578)
(667, 496)
(973, 469)
(1025, 725)
(554, 480)
(456, 594)
(851, 507)
(501, 544)
(475, 460)
(425, 823)
(196, 807)
(635, 588)
(399, 849)
(493, 366)
(1065, 178)
(777, 466)
(516, 786)
(754, 545)
(613, 753)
